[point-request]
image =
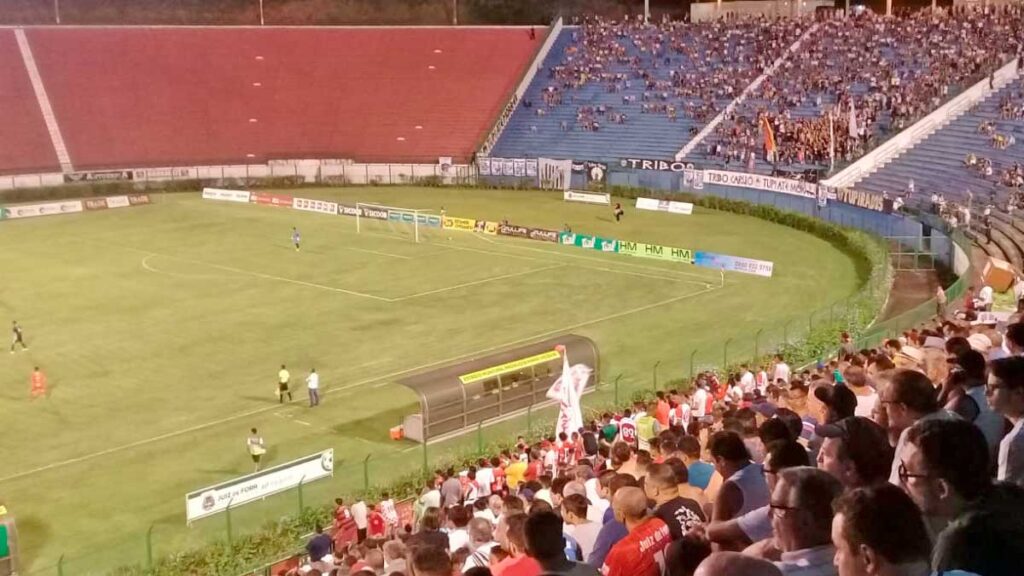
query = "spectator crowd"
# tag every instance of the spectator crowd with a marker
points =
(901, 460)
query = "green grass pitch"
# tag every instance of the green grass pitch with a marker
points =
(161, 329)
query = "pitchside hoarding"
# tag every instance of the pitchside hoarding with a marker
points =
(587, 197)
(225, 195)
(684, 208)
(215, 499)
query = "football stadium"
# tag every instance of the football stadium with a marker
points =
(429, 288)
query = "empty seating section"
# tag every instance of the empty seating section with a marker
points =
(25, 146)
(610, 90)
(888, 69)
(164, 96)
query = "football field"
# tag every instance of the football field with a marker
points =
(161, 329)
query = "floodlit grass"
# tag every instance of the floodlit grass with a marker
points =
(161, 329)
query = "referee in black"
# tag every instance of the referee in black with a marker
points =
(17, 336)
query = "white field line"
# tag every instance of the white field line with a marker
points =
(147, 266)
(376, 379)
(477, 282)
(378, 253)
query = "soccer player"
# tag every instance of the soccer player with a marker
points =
(313, 383)
(17, 336)
(296, 238)
(618, 212)
(38, 383)
(282, 385)
(257, 448)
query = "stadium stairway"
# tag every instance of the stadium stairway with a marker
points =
(26, 146)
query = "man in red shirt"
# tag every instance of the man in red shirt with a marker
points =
(662, 411)
(518, 562)
(345, 531)
(642, 551)
(375, 522)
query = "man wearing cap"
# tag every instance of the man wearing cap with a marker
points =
(574, 512)
(908, 399)
(856, 451)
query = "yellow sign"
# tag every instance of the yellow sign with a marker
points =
(459, 223)
(509, 367)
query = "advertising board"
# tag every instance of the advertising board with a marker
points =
(225, 195)
(214, 499)
(587, 197)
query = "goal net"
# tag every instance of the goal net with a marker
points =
(410, 223)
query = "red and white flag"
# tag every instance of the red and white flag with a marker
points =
(568, 390)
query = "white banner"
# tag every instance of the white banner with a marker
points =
(315, 206)
(769, 183)
(554, 174)
(684, 208)
(588, 197)
(226, 195)
(215, 499)
(164, 173)
(118, 202)
(48, 209)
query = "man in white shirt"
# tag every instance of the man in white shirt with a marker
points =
(1005, 393)
(574, 512)
(782, 371)
(481, 540)
(700, 400)
(484, 478)
(747, 382)
(313, 383)
(360, 515)
(984, 300)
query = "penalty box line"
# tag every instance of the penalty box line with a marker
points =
(364, 382)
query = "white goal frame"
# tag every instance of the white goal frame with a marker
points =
(415, 216)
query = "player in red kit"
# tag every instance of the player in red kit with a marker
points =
(642, 551)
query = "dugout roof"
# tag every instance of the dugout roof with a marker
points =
(459, 396)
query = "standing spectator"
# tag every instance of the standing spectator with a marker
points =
(699, 471)
(574, 512)
(879, 530)
(908, 398)
(802, 521)
(744, 488)
(451, 490)
(319, 545)
(781, 372)
(1006, 395)
(865, 395)
(481, 541)
(680, 514)
(856, 452)
(345, 532)
(376, 527)
(839, 401)
(518, 562)
(642, 551)
(361, 516)
(313, 384)
(390, 513)
(545, 542)
(458, 535)
(987, 542)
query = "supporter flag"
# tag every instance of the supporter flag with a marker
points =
(567, 390)
(769, 138)
(853, 120)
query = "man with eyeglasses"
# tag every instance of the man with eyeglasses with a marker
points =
(909, 398)
(1005, 393)
(801, 507)
(945, 469)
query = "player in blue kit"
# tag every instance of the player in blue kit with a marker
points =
(296, 238)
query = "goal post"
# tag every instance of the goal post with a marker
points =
(395, 219)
